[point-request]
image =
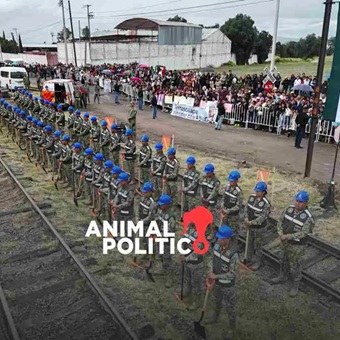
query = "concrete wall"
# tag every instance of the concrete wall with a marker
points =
(49, 59)
(215, 50)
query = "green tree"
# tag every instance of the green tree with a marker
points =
(213, 26)
(177, 19)
(60, 35)
(85, 32)
(262, 46)
(8, 46)
(242, 33)
(331, 46)
(21, 49)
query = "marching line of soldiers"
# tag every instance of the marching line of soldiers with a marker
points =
(99, 165)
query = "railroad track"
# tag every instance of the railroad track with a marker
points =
(321, 264)
(45, 291)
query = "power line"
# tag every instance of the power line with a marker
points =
(42, 28)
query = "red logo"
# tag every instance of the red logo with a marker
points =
(201, 217)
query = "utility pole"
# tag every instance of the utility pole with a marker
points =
(276, 22)
(89, 17)
(52, 35)
(319, 75)
(61, 4)
(74, 44)
(79, 30)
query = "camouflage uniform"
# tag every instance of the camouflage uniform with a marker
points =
(191, 180)
(145, 154)
(49, 147)
(161, 217)
(77, 168)
(105, 191)
(84, 135)
(66, 158)
(146, 213)
(194, 276)
(171, 170)
(209, 187)
(157, 166)
(88, 167)
(231, 205)
(115, 147)
(77, 98)
(104, 143)
(257, 212)
(124, 202)
(297, 224)
(60, 121)
(95, 136)
(130, 158)
(98, 173)
(225, 265)
(70, 124)
(77, 126)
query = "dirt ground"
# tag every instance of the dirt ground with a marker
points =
(281, 317)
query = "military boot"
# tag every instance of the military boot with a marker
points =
(214, 318)
(282, 278)
(231, 332)
(294, 290)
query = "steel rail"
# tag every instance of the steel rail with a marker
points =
(91, 282)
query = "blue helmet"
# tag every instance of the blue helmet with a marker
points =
(260, 187)
(98, 157)
(48, 128)
(144, 138)
(147, 187)
(41, 100)
(57, 133)
(77, 145)
(77, 112)
(70, 109)
(191, 160)
(114, 126)
(108, 164)
(29, 118)
(93, 119)
(36, 98)
(51, 104)
(41, 124)
(209, 168)
(59, 106)
(30, 95)
(123, 176)
(66, 138)
(46, 102)
(128, 132)
(159, 146)
(104, 123)
(116, 170)
(164, 199)
(234, 176)
(22, 113)
(302, 197)
(224, 232)
(171, 151)
(89, 152)
(86, 115)
(35, 120)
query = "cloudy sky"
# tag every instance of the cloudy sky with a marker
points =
(35, 20)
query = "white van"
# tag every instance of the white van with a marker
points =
(11, 77)
(62, 90)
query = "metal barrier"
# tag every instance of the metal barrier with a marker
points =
(253, 118)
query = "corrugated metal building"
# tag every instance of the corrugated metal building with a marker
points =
(176, 45)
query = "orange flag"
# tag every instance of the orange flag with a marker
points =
(110, 120)
(166, 141)
(263, 175)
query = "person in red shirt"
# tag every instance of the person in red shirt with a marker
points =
(47, 94)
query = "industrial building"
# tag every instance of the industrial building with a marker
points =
(153, 42)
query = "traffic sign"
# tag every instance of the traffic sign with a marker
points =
(268, 86)
(269, 74)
